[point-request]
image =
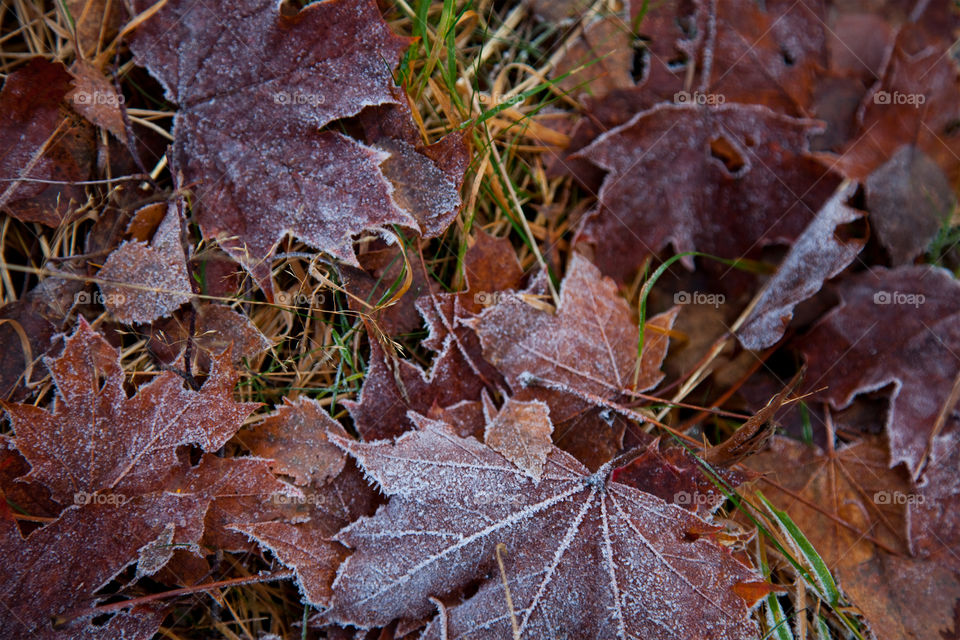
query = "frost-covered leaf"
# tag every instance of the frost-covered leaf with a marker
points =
(157, 273)
(582, 554)
(308, 547)
(908, 198)
(42, 141)
(97, 438)
(576, 360)
(96, 99)
(394, 386)
(674, 475)
(817, 255)
(259, 92)
(852, 508)
(295, 438)
(520, 432)
(57, 569)
(588, 347)
(724, 181)
(897, 328)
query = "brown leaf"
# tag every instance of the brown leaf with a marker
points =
(520, 432)
(896, 328)
(295, 439)
(915, 102)
(308, 547)
(819, 253)
(157, 273)
(96, 438)
(909, 198)
(96, 99)
(588, 348)
(842, 500)
(253, 105)
(675, 476)
(392, 387)
(43, 141)
(722, 180)
(581, 552)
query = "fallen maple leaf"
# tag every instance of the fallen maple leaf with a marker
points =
(296, 438)
(156, 271)
(392, 387)
(845, 501)
(520, 432)
(724, 180)
(47, 148)
(893, 328)
(254, 104)
(582, 554)
(820, 253)
(578, 361)
(96, 438)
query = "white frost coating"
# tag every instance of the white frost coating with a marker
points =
(520, 432)
(816, 256)
(575, 555)
(157, 274)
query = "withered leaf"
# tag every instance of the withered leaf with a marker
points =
(817, 255)
(96, 99)
(722, 180)
(256, 90)
(577, 360)
(392, 387)
(915, 102)
(674, 475)
(46, 147)
(589, 347)
(295, 438)
(844, 501)
(96, 438)
(582, 554)
(908, 198)
(156, 271)
(520, 432)
(895, 327)
(307, 547)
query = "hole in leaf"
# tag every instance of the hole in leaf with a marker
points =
(724, 151)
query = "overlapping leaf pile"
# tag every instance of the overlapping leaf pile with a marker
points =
(555, 456)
